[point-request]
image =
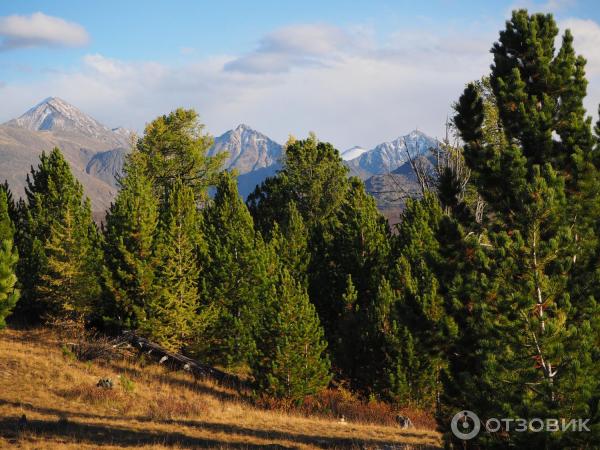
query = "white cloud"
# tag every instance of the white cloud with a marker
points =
(340, 83)
(297, 45)
(549, 6)
(586, 40)
(39, 30)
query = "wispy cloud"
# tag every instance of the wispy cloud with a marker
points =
(40, 30)
(297, 45)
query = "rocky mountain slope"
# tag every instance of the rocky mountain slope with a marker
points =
(252, 154)
(97, 153)
(248, 149)
(392, 190)
(94, 151)
(388, 174)
(57, 116)
(388, 156)
(107, 166)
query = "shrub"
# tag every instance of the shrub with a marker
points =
(83, 343)
(127, 384)
(91, 394)
(336, 403)
(67, 352)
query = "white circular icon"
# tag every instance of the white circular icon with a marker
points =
(460, 425)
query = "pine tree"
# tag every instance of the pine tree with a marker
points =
(10, 202)
(174, 148)
(236, 278)
(7, 227)
(129, 236)
(291, 361)
(290, 243)
(411, 308)
(69, 284)
(350, 255)
(313, 176)
(51, 192)
(535, 314)
(172, 313)
(9, 294)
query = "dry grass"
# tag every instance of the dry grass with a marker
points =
(337, 403)
(151, 407)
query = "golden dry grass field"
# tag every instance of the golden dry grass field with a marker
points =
(152, 407)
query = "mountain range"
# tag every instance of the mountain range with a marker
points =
(96, 154)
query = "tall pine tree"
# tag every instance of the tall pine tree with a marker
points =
(69, 283)
(174, 148)
(541, 237)
(350, 255)
(9, 294)
(236, 278)
(173, 316)
(411, 308)
(52, 194)
(290, 243)
(129, 237)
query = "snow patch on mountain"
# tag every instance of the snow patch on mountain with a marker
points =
(388, 156)
(124, 133)
(247, 149)
(352, 153)
(56, 115)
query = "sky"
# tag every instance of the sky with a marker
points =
(354, 72)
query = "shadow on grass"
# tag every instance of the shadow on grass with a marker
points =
(112, 435)
(195, 386)
(321, 441)
(115, 435)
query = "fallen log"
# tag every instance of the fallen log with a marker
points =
(181, 362)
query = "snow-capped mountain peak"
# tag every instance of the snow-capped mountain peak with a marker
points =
(388, 156)
(243, 127)
(352, 153)
(247, 149)
(415, 134)
(56, 115)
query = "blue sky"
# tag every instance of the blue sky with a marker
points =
(356, 73)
